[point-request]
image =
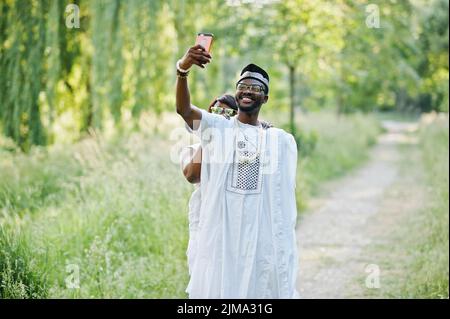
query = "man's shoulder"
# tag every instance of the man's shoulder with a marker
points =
(216, 119)
(286, 136)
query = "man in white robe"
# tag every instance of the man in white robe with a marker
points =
(246, 243)
(191, 160)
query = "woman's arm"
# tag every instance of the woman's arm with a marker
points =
(193, 168)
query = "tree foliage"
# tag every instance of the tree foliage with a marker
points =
(120, 62)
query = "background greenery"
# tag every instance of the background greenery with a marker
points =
(87, 117)
(57, 82)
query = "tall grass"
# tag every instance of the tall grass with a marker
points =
(19, 275)
(429, 276)
(115, 211)
(110, 216)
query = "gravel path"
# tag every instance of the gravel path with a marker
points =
(333, 235)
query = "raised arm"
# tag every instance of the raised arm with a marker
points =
(195, 55)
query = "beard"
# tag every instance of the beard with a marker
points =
(245, 106)
(250, 109)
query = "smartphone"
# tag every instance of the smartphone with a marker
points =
(205, 40)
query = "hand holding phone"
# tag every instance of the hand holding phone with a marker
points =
(199, 54)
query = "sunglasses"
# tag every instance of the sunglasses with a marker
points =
(216, 109)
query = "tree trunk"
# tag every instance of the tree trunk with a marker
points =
(292, 98)
(89, 111)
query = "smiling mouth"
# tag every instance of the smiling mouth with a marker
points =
(246, 100)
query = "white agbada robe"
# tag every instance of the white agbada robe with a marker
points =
(246, 243)
(194, 204)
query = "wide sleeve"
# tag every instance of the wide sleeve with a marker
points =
(209, 126)
(289, 208)
(290, 152)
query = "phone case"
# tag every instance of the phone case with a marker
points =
(205, 40)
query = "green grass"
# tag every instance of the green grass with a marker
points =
(19, 275)
(116, 210)
(429, 233)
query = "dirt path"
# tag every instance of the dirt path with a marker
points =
(334, 235)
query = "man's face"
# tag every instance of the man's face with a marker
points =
(247, 97)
